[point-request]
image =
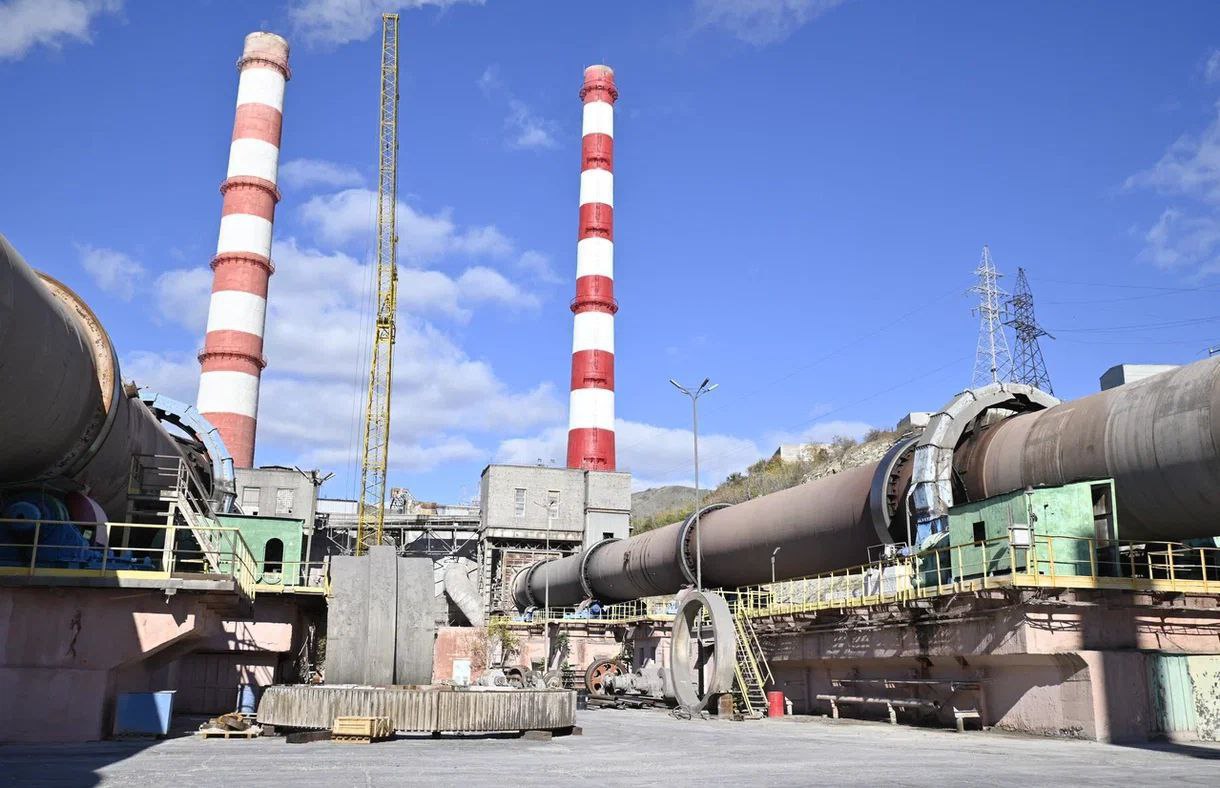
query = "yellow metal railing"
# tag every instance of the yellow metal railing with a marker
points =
(1044, 562)
(124, 549)
(295, 577)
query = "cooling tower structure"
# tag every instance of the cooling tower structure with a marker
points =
(232, 357)
(591, 407)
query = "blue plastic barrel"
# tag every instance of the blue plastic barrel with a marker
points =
(247, 698)
(143, 713)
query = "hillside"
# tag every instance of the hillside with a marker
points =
(661, 507)
(651, 502)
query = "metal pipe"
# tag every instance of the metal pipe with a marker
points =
(66, 421)
(1158, 438)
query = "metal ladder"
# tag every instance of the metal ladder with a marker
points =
(753, 672)
(165, 489)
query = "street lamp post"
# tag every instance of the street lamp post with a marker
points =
(704, 388)
(546, 594)
(774, 553)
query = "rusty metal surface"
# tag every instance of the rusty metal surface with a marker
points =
(1158, 438)
(415, 710)
(62, 412)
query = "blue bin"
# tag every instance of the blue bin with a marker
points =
(247, 698)
(143, 713)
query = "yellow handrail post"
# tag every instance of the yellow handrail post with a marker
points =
(1092, 559)
(34, 551)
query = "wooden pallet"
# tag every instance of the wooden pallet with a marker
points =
(249, 733)
(358, 739)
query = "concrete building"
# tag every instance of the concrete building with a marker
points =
(1129, 373)
(798, 452)
(523, 507)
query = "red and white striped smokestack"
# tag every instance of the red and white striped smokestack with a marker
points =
(232, 355)
(591, 407)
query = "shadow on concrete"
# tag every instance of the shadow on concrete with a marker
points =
(1175, 748)
(64, 764)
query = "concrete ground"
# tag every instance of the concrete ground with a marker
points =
(627, 748)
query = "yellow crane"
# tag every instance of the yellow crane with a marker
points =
(370, 516)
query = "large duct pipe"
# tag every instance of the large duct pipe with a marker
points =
(820, 525)
(64, 417)
(1159, 439)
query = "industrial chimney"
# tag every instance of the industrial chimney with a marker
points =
(591, 408)
(232, 355)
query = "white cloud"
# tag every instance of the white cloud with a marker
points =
(316, 344)
(303, 173)
(523, 127)
(654, 455)
(526, 129)
(1190, 167)
(760, 22)
(113, 272)
(342, 21)
(350, 215)
(25, 24)
(827, 431)
(173, 374)
(1177, 241)
(1186, 239)
(538, 265)
(1211, 69)
(182, 297)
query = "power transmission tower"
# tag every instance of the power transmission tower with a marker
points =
(1028, 364)
(992, 360)
(370, 516)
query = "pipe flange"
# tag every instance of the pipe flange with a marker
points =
(883, 480)
(529, 575)
(686, 550)
(106, 365)
(583, 575)
(932, 474)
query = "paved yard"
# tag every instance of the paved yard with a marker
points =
(627, 748)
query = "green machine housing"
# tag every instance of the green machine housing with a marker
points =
(1068, 530)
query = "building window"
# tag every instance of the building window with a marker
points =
(284, 499)
(273, 557)
(519, 502)
(249, 500)
(552, 506)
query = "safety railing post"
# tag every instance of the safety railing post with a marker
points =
(1092, 558)
(105, 545)
(1173, 580)
(34, 550)
(1203, 568)
(1050, 552)
(938, 583)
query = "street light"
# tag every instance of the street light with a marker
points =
(546, 598)
(704, 388)
(774, 553)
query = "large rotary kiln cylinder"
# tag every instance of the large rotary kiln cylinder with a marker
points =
(65, 419)
(1158, 438)
(820, 525)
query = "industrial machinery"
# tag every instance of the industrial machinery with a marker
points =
(1157, 439)
(83, 448)
(371, 511)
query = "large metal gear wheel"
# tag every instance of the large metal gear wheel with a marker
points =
(595, 675)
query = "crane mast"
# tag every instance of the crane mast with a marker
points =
(376, 446)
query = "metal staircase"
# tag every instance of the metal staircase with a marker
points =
(165, 491)
(753, 673)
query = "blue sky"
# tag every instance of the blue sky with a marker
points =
(803, 189)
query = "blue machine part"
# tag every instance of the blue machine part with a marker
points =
(60, 543)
